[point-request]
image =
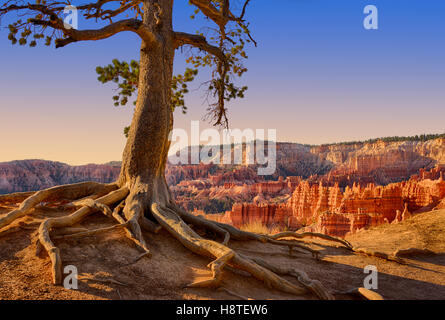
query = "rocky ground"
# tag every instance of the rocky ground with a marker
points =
(105, 271)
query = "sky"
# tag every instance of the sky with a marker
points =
(317, 76)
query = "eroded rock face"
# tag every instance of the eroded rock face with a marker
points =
(335, 212)
(381, 162)
(31, 175)
(334, 189)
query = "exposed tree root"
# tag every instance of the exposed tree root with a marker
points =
(96, 205)
(133, 212)
(71, 192)
(229, 231)
(394, 257)
(112, 281)
(90, 233)
(76, 204)
(369, 294)
(149, 225)
(88, 198)
(129, 231)
(236, 295)
(67, 231)
(172, 222)
(14, 198)
(314, 286)
(216, 266)
(363, 293)
(68, 221)
(380, 255)
(294, 244)
(199, 221)
(296, 235)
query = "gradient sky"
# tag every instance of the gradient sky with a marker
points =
(317, 76)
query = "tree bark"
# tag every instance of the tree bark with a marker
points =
(145, 155)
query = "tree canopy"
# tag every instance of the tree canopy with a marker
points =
(219, 44)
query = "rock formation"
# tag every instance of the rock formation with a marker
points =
(335, 212)
(333, 188)
(32, 175)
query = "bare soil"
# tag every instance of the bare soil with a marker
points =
(106, 272)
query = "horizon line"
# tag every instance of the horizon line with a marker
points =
(416, 138)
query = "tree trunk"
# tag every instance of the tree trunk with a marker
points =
(145, 154)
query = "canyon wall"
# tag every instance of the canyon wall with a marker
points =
(332, 211)
(31, 175)
(332, 188)
(379, 162)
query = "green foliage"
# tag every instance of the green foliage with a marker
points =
(212, 206)
(24, 32)
(218, 205)
(126, 76)
(422, 138)
(180, 88)
(222, 87)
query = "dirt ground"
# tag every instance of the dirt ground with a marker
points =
(106, 272)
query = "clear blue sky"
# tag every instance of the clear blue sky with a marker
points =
(317, 76)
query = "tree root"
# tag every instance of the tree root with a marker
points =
(129, 231)
(112, 281)
(68, 221)
(67, 231)
(380, 255)
(236, 295)
(394, 257)
(149, 225)
(88, 198)
(216, 266)
(363, 293)
(91, 232)
(296, 235)
(72, 192)
(369, 295)
(171, 220)
(14, 198)
(199, 221)
(229, 231)
(293, 244)
(133, 212)
(76, 204)
(314, 286)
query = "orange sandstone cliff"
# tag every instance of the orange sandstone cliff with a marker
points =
(331, 210)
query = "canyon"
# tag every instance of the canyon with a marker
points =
(33, 175)
(334, 189)
(329, 210)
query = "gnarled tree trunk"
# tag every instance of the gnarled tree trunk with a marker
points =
(145, 154)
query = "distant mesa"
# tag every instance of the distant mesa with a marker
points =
(335, 189)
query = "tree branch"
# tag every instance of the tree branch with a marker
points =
(199, 42)
(210, 11)
(223, 68)
(73, 35)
